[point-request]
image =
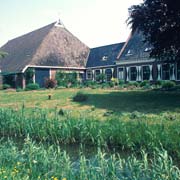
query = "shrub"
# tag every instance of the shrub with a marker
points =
(29, 75)
(144, 83)
(101, 78)
(6, 86)
(167, 85)
(32, 86)
(89, 83)
(135, 84)
(111, 84)
(121, 82)
(50, 83)
(115, 81)
(66, 79)
(158, 83)
(19, 89)
(80, 97)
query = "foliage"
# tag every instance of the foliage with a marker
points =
(37, 161)
(50, 83)
(90, 83)
(158, 20)
(9, 79)
(114, 82)
(32, 86)
(19, 89)
(101, 78)
(121, 82)
(66, 79)
(159, 83)
(144, 83)
(167, 85)
(6, 86)
(29, 74)
(80, 97)
(140, 131)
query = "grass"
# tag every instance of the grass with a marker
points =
(34, 161)
(128, 131)
(131, 121)
(119, 101)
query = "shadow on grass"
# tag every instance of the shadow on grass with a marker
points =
(142, 101)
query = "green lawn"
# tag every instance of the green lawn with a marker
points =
(150, 102)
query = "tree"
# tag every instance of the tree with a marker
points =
(159, 22)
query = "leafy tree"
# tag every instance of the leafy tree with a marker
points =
(159, 21)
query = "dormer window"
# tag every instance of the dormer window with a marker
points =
(147, 49)
(104, 58)
(129, 53)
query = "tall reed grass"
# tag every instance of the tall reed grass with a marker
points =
(35, 161)
(45, 126)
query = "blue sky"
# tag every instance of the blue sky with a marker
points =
(95, 22)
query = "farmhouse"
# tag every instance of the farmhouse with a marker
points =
(46, 50)
(53, 48)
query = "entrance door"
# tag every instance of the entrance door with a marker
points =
(41, 75)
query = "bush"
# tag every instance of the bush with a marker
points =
(144, 83)
(111, 84)
(101, 78)
(167, 85)
(158, 83)
(19, 89)
(121, 82)
(136, 84)
(66, 79)
(80, 97)
(6, 86)
(89, 83)
(50, 83)
(32, 86)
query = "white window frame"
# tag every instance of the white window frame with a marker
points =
(123, 73)
(95, 73)
(130, 73)
(91, 78)
(142, 72)
(106, 74)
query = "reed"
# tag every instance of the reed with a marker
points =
(49, 126)
(36, 161)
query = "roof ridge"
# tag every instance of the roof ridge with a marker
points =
(20, 36)
(108, 45)
(123, 48)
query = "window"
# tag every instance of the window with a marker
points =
(147, 49)
(129, 53)
(146, 72)
(178, 70)
(165, 71)
(133, 73)
(97, 73)
(89, 74)
(104, 58)
(108, 74)
(121, 74)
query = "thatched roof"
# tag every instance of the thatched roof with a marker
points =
(104, 55)
(48, 46)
